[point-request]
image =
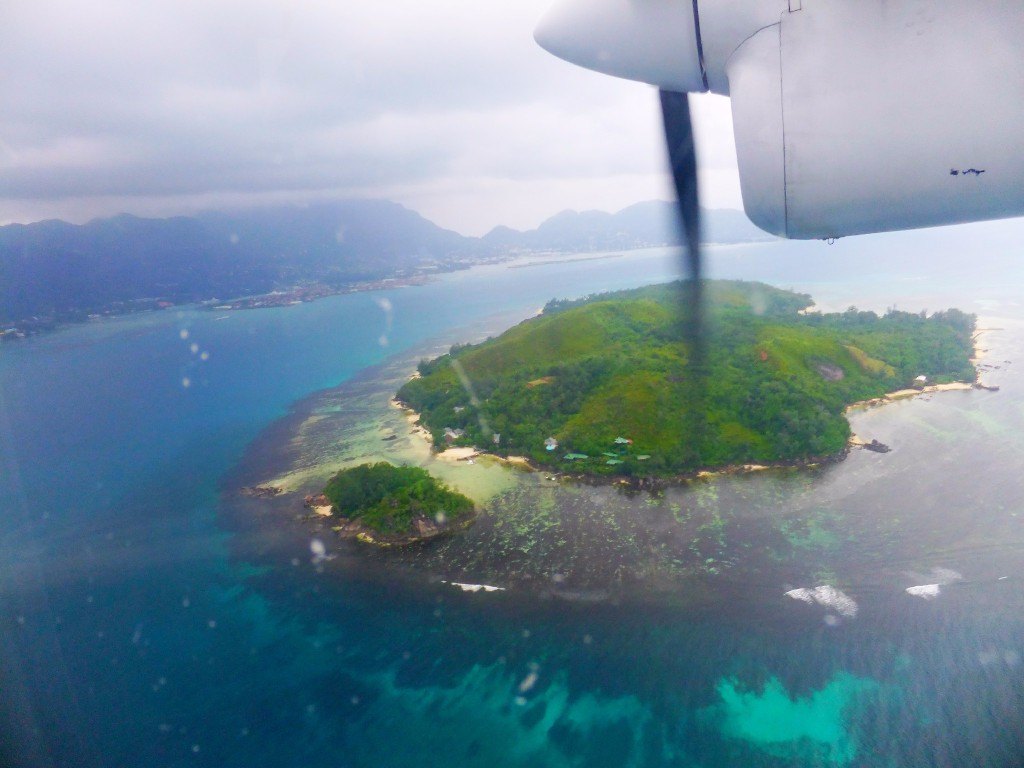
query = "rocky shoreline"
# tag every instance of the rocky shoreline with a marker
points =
(652, 482)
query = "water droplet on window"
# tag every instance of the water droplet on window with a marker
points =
(528, 682)
(319, 551)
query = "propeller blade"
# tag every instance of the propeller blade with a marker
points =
(675, 111)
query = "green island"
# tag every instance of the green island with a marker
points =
(605, 386)
(388, 505)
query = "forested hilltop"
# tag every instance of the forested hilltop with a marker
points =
(604, 385)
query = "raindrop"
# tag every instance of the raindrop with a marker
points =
(186, 382)
(204, 356)
(185, 602)
(211, 624)
(193, 348)
(528, 682)
(319, 551)
(183, 333)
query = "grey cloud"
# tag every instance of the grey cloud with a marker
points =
(115, 99)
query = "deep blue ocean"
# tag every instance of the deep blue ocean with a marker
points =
(140, 626)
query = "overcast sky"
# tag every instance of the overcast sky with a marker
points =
(448, 106)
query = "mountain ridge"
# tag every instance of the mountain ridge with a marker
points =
(53, 271)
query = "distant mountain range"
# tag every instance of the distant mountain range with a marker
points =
(53, 271)
(642, 225)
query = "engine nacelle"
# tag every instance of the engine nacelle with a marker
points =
(856, 116)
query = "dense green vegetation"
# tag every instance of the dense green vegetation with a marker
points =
(775, 386)
(389, 499)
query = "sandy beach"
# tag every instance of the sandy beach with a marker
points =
(457, 454)
(977, 356)
(901, 394)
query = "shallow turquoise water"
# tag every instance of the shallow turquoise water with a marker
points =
(140, 626)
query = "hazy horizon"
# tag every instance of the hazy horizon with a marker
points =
(451, 109)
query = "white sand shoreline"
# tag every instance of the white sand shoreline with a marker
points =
(977, 356)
